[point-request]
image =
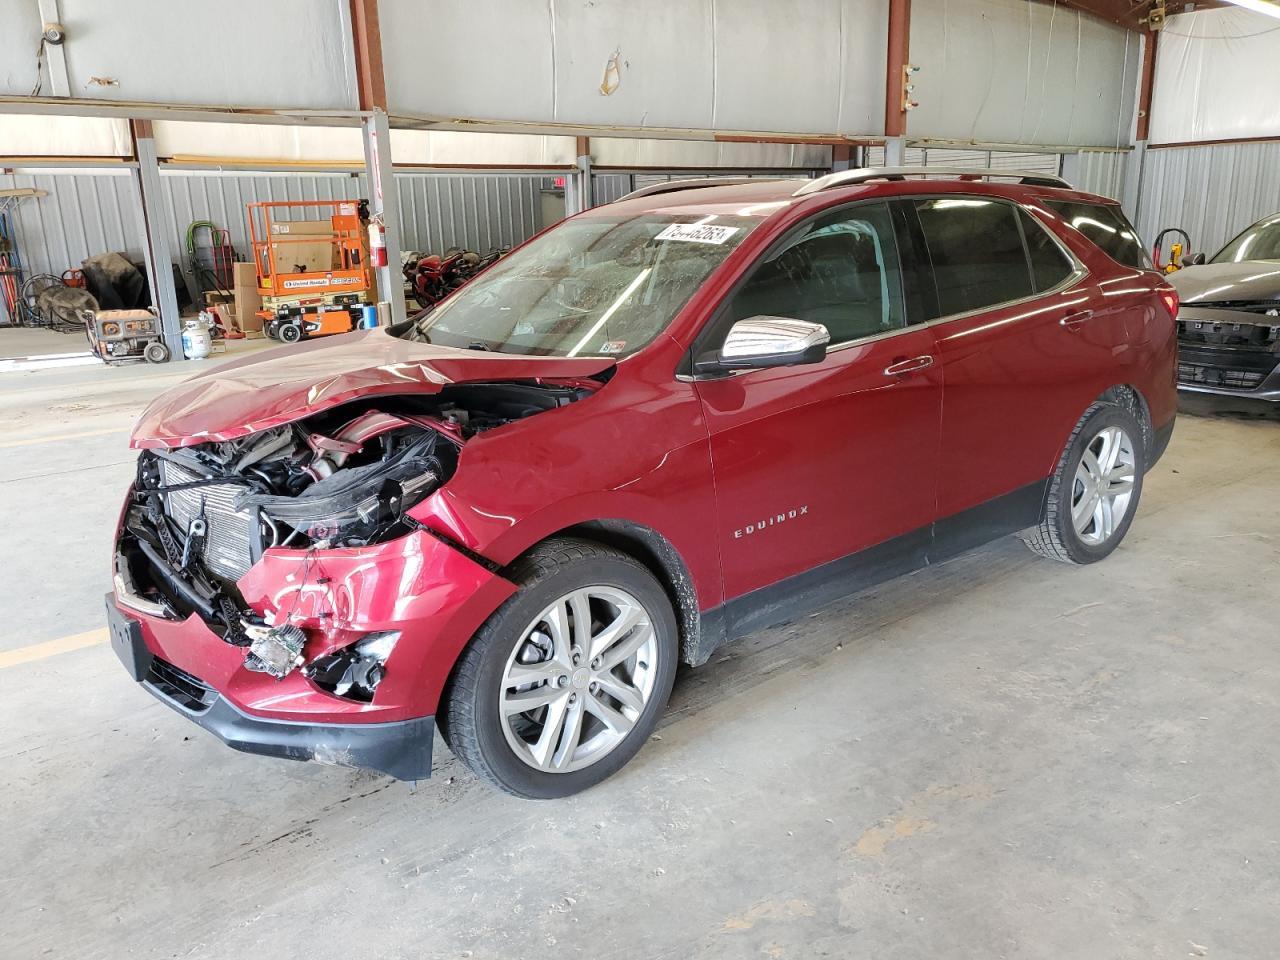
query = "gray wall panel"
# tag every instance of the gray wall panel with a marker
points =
(476, 211)
(1212, 192)
(816, 66)
(1009, 71)
(281, 53)
(84, 213)
(608, 187)
(1101, 172)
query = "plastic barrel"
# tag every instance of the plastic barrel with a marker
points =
(368, 317)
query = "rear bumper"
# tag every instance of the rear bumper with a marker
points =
(401, 749)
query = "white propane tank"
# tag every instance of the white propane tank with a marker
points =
(196, 342)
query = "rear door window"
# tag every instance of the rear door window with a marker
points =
(1106, 226)
(976, 249)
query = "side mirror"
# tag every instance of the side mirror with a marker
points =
(767, 342)
(1195, 260)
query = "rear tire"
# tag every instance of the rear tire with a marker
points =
(289, 333)
(594, 696)
(156, 352)
(1094, 492)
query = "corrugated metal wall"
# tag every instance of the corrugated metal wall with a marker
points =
(1032, 162)
(1212, 192)
(94, 210)
(191, 195)
(1101, 172)
(608, 187)
(85, 212)
(475, 211)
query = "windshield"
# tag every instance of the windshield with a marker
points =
(1259, 242)
(597, 285)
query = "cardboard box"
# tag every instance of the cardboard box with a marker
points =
(294, 251)
(247, 299)
(244, 275)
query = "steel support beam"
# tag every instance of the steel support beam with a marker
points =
(895, 151)
(842, 157)
(1146, 84)
(1070, 169)
(156, 243)
(384, 208)
(586, 192)
(384, 198)
(899, 55)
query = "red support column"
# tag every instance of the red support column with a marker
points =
(1146, 85)
(895, 118)
(368, 47)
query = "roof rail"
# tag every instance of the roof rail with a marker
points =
(846, 178)
(698, 183)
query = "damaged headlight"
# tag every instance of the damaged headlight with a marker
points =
(355, 671)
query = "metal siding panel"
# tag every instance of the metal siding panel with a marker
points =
(1101, 172)
(84, 214)
(1212, 192)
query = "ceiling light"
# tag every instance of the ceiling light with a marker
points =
(1259, 6)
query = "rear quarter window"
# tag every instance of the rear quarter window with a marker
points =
(1106, 226)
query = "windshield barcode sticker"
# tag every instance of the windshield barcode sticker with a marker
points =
(697, 233)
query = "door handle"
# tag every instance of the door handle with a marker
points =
(1073, 320)
(904, 367)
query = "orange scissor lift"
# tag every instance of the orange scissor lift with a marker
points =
(313, 271)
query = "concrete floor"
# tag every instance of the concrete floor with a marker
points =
(997, 757)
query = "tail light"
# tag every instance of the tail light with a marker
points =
(1169, 297)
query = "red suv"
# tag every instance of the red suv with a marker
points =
(657, 426)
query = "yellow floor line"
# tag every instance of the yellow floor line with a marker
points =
(38, 651)
(54, 438)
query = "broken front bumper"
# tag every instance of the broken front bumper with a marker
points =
(430, 594)
(401, 749)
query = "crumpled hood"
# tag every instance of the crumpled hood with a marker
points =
(278, 386)
(1215, 282)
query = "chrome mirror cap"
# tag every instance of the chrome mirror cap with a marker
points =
(765, 341)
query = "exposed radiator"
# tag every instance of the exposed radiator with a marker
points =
(227, 551)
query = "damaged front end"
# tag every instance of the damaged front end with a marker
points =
(200, 517)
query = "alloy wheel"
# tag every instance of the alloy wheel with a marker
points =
(1103, 485)
(579, 678)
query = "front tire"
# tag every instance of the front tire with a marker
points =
(1094, 492)
(566, 681)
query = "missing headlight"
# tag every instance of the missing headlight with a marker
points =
(355, 671)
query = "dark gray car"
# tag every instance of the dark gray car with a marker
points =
(1229, 321)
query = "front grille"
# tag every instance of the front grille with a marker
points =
(180, 687)
(227, 551)
(1241, 368)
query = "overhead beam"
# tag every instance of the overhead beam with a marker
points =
(1122, 13)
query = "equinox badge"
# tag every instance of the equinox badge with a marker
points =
(770, 522)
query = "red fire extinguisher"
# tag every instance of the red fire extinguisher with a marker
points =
(377, 244)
